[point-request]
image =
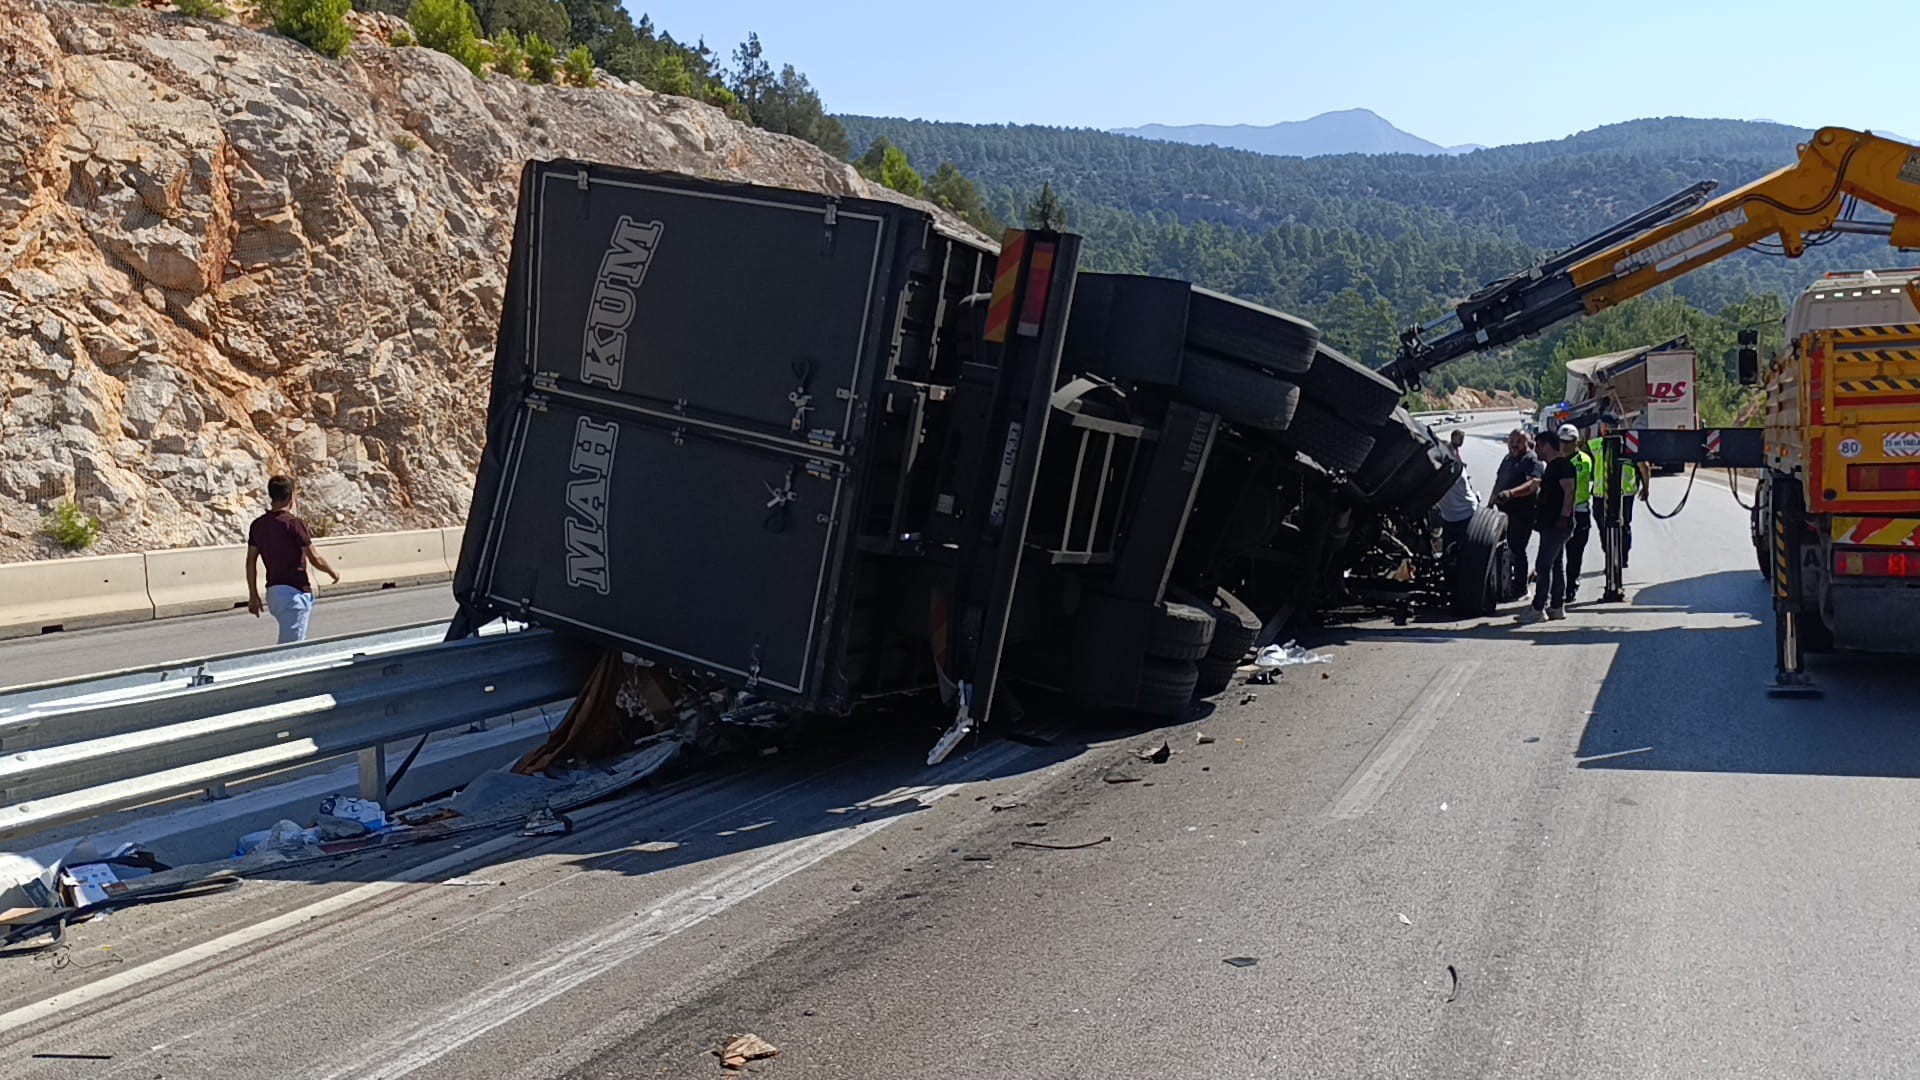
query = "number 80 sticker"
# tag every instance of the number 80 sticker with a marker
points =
(1850, 448)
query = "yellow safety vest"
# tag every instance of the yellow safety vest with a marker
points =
(1629, 476)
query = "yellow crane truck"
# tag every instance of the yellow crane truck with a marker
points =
(1837, 518)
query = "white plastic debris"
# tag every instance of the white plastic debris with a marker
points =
(1279, 656)
(365, 811)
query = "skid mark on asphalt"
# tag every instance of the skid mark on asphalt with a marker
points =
(166, 965)
(577, 962)
(214, 954)
(1397, 747)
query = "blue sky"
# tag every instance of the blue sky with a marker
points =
(1485, 71)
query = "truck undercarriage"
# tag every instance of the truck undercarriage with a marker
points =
(823, 451)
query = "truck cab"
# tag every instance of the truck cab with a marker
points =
(1842, 437)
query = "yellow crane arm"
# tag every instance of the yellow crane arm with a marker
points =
(1790, 205)
(1800, 204)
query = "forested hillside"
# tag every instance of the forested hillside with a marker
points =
(1367, 244)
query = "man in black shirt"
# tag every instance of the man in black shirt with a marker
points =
(1553, 518)
(1514, 487)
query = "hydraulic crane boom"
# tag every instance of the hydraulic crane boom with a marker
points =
(1802, 204)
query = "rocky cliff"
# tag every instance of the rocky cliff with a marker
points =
(1466, 397)
(223, 255)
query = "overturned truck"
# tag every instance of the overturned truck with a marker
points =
(825, 450)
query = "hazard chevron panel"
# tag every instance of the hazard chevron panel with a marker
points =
(1876, 531)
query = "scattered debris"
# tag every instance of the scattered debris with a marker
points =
(1121, 778)
(544, 822)
(978, 856)
(1289, 655)
(1158, 756)
(361, 811)
(1403, 917)
(997, 807)
(740, 1049)
(1243, 961)
(1201, 738)
(284, 834)
(1061, 847)
(73, 1057)
(1453, 978)
(1249, 698)
(472, 883)
(1531, 738)
(654, 847)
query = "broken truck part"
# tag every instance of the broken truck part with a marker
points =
(823, 450)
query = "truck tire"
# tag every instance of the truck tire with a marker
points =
(1348, 387)
(1166, 686)
(1235, 627)
(1215, 675)
(1234, 635)
(1481, 564)
(1249, 333)
(1181, 632)
(1237, 393)
(1327, 438)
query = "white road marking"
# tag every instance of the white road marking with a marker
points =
(153, 969)
(1395, 749)
(582, 960)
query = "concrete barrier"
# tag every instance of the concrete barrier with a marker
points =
(450, 540)
(385, 560)
(97, 590)
(67, 594)
(189, 581)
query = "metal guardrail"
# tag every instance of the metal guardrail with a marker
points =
(76, 757)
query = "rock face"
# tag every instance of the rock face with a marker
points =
(223, 255)
(1466, 397)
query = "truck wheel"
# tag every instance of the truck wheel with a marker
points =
(1327, 438)
(1481, 564)
(1250, 333)
(1234, 635)
(1216, 674)
(1166, 686)
(1237, 393)
(1235, 627)
(1180, 632)
(1348, 387)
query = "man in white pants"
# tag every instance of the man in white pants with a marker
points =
(282, 541)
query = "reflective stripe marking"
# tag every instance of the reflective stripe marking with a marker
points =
(1006, 278)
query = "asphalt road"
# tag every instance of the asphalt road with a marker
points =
(1591, 848)
(111, 648)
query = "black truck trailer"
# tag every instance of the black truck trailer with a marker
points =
(823, 450)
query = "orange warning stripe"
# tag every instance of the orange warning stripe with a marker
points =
(1006, 280)
(1035, 306)
(1877, 531)
(1891, 330)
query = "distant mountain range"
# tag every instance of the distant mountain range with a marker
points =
(1348, 131)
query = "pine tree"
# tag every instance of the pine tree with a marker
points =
(321, 25)
(1046, 212)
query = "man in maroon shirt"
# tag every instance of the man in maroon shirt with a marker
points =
(281, 540)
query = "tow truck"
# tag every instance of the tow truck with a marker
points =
(1836, 522)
